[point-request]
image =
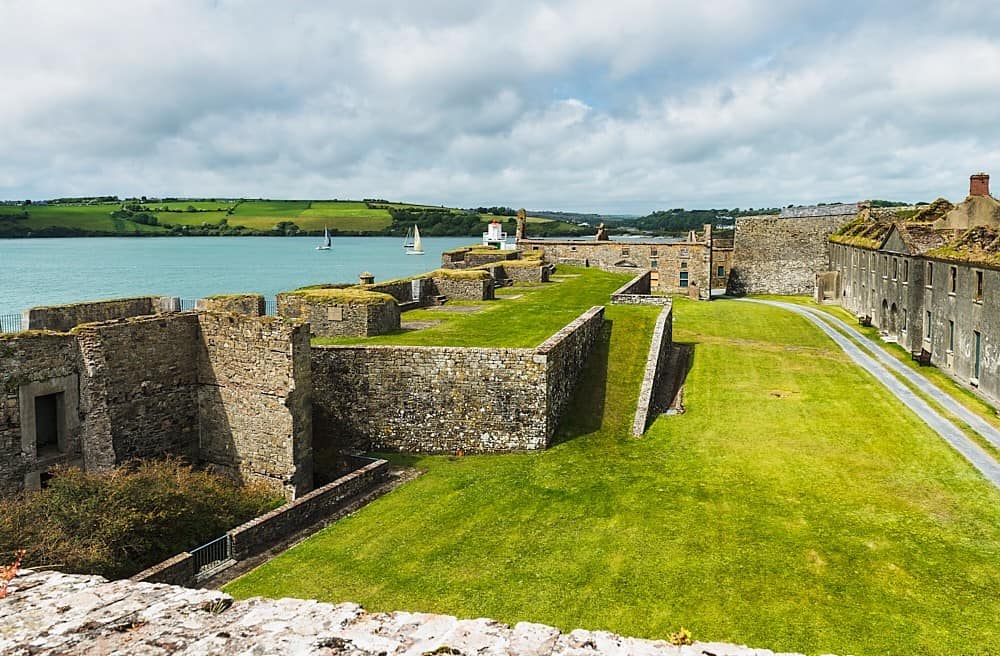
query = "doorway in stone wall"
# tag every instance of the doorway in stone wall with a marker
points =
(894, 320)
(883, 323)
(48, 409)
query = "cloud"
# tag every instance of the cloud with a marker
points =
(631, 106)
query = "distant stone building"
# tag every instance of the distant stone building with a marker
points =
(678, 267)
(929, 279)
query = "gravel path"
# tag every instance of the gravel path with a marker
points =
(974, 453)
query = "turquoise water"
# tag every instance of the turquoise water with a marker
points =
(53, 271)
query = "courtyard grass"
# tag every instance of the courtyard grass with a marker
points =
(525, 322)
(796, 506)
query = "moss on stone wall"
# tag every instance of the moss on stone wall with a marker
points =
(342, 296)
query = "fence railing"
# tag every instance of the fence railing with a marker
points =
(213, 556)
(10, 323)
(270, 306)
(187, 304)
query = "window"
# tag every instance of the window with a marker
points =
(885, 266)
(951, 335)
(895, 268)
(572, 248)
(906, 271)
(979, 285)
(684, 265)
(652, 252)
(721, 273)
(654, 264)
(930, 274)
(977, 338)
(952, 278)
(903, 327)
(927, 326)
(624, 251)
(684, 278)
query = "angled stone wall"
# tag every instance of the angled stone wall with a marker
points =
(249, 304)
(254, 398)
(62, 318)
(656, 372)
(446, 399)
(328, 319)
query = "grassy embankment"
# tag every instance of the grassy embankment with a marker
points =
(796, 505)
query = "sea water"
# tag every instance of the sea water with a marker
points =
(69, 270)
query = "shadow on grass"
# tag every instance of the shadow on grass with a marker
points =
(667, 395)
(585, 411)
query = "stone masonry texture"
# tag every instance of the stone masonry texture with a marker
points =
(50, 613)
(780, 255)
(64, 317)
(445, 399)
(342, 319)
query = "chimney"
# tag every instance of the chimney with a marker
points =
(366, 278)
(979, 184)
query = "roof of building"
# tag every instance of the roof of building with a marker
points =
(968, 232)
(833, 209)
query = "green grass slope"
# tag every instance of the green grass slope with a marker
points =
(75, 219)
(796, 505)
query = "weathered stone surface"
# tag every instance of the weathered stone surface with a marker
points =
(447, 399)
(656, 369)
(249, 304)
(781, 255)
(341, 319)
(62, 318)
(637, 292)
(49, 613)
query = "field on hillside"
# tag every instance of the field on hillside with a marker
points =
(84, 218)
(796, 506)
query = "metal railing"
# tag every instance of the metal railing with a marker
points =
(270, 306)
(187, 304)
(212, 557)
(10, 323)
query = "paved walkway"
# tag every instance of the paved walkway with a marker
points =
(974, 453)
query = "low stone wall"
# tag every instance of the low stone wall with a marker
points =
(656, 369)
(519, 271)
(637, 292)
(123, 617)
(403, 290)
(465, 290)
(177, 570)
(447, 399)
(248, 304)
(257, 535)
(341, 319)
(63, 318)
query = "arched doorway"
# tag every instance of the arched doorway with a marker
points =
(893, 320)
(883, 322)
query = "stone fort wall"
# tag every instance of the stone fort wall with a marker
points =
(62, 318)
(774, 255)
(446, 399)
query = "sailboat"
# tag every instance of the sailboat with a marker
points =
(325, 246)
(408, 239)
(418, 248)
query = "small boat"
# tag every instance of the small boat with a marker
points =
(408, 239)
(326, 240)
(418, 247)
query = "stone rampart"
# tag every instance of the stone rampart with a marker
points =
(176, 570)
(35, 364)
(253, 400)
(637, 291)
(656, 370)
(465, 289)
(139, 388)
(249, 304)
(125, 617)
(341, 319)
(532, 271)
(780, 255)
(447, 399)
(62, 318)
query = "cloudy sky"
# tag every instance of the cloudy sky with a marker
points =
(624, 106)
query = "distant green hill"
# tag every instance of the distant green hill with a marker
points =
(83, 217)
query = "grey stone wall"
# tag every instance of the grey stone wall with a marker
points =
(28, 363)
(466, 290)
(254, 400)
(780, 256)
(667, 260)
(341, 319)
(249, 304)
(446, 399)
(138, 389)
(62, 318)
(656, 371)
(125, 617)
(519, 272)
(637, 292)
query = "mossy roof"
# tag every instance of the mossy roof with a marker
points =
(335, 296)
(232, 297)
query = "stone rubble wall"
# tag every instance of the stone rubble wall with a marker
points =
(423, 399)
(25, 359)
(656, 370)
(62, 318)
(138, 389)
(539, 273)
(402, 290)
(261, 533)
(780, 255)
(637, 292)
(249, 304)
(74, 615)
(465, 290)
(254, 397)
(341, 319)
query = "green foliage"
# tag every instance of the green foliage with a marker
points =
(680, 220)
(120, 522)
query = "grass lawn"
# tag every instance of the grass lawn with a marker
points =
(82, 217)
(528, 321)
(794, 506)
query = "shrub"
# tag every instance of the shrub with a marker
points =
(119, 522)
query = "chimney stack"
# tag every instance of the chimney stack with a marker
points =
(979, 184)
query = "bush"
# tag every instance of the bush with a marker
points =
(120, 522)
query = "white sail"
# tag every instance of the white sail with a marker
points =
(408, 239)
(418, 247)
(326, 240)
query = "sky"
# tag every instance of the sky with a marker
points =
(581, 105)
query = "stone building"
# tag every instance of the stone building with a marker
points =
(929, 279)
(229, 391)
(678, 267)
